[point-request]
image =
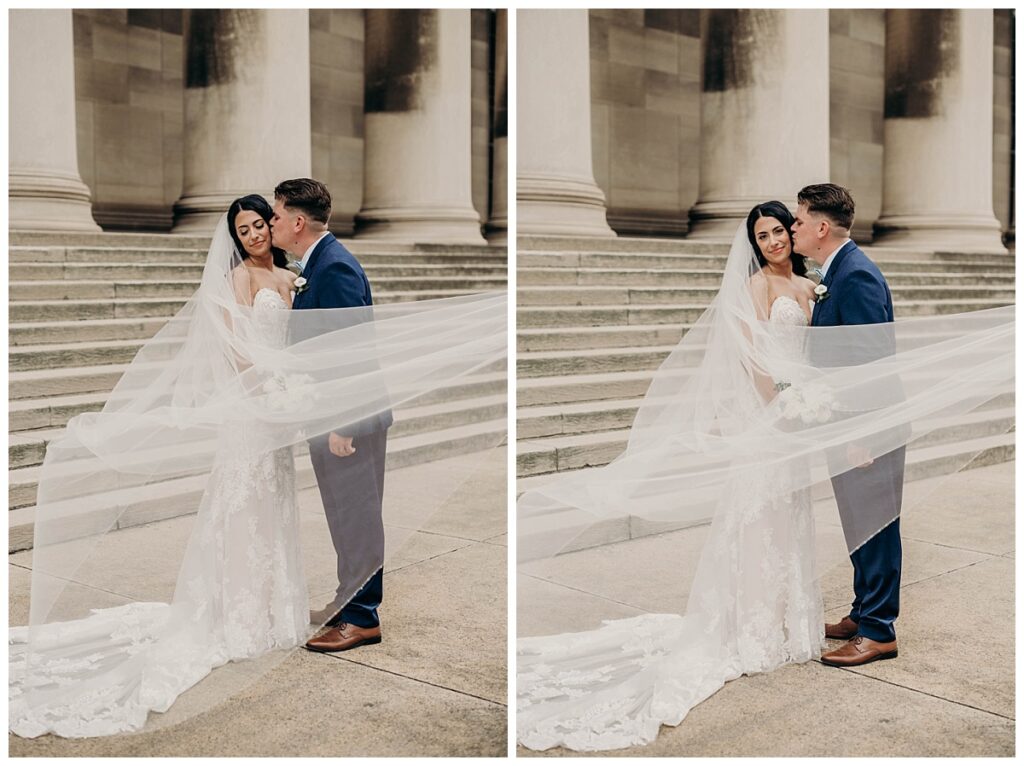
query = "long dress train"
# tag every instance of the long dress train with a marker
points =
(754, 606)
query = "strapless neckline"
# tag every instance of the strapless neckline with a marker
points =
(269, 298)
(789, 310)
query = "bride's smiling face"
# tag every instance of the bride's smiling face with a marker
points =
(253, 232)
(773, 240)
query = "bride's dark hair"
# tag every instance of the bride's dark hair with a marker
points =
(775, 209)
(258, 205)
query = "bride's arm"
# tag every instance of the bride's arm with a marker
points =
(243, 297)
(763, 383)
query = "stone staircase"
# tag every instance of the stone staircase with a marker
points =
(595, 318)
(81, 305)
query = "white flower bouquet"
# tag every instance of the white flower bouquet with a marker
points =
(289, 393)
(809, 403)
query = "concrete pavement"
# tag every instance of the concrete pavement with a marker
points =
(949, 693)
(436, 686)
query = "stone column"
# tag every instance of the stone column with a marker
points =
(764, 113)
(497, 224)
(247, 123)
(417, 181)
(46, 190)
(555, 188)
(937, 178)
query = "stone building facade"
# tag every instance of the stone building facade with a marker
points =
(153, 120)
(674, 122)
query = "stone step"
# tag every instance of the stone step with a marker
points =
(530, 277)
(50, 290)
(921, 464)
(142, 241)
(53, 290)
(569, 244)
(193, 271)
(574, 338)
(535, 364)
(95, 330)
(57, 355)
(986, 264)
(119, 308)
(554, 243)
(574, 388)
(590, 316)
(100, 379)
(582, 417)
(422, 419)
(168, 499)
(35, 384)
(591, 295)
(135, 255)
(581, 450)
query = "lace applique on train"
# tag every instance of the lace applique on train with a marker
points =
(241, 592)
(754, 606)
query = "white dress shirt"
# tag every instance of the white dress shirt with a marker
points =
(828, 261)
(309, 252)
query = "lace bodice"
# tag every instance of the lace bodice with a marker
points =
(270, 322)
(787, 311)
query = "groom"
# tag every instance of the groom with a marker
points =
(349, 466)
(859, 295)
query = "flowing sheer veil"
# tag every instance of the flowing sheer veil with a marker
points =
(739, 405)
(119, 490)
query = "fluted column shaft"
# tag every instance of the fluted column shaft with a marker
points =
(45, 187)
(247, 124)
(764, 112)
(555, 188)
(937, 178)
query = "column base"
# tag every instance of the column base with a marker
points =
(200, 213)
(717, 221)
(940, 233)
(419, 224)
(49, 202)
(560, 205)
(496, 231)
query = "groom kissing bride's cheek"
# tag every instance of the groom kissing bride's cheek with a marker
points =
(795, 384)
(349, 467)
(201, 437)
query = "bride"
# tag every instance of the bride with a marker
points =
(741, 429)
(223, 388)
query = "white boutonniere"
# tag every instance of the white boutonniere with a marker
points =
(301, 285)
(821, 293)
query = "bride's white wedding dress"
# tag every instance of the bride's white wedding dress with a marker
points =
(241, 592)
(754, 605)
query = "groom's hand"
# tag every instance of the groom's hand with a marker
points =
(340, 445)
(858, 456)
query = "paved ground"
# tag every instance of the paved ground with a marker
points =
(436, 686)
(949, 693)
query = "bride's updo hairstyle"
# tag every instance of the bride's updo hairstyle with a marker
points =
(261, 207)
(774, 209)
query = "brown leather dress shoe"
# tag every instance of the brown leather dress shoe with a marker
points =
(844, 629)
(342, 637)
(860, 651)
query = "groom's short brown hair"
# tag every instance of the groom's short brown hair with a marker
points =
(308, 195)
(832, 201)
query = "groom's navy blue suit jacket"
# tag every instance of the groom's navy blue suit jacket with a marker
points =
(859, 293)
(336, 280)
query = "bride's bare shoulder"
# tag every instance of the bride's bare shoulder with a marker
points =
(806, 285)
